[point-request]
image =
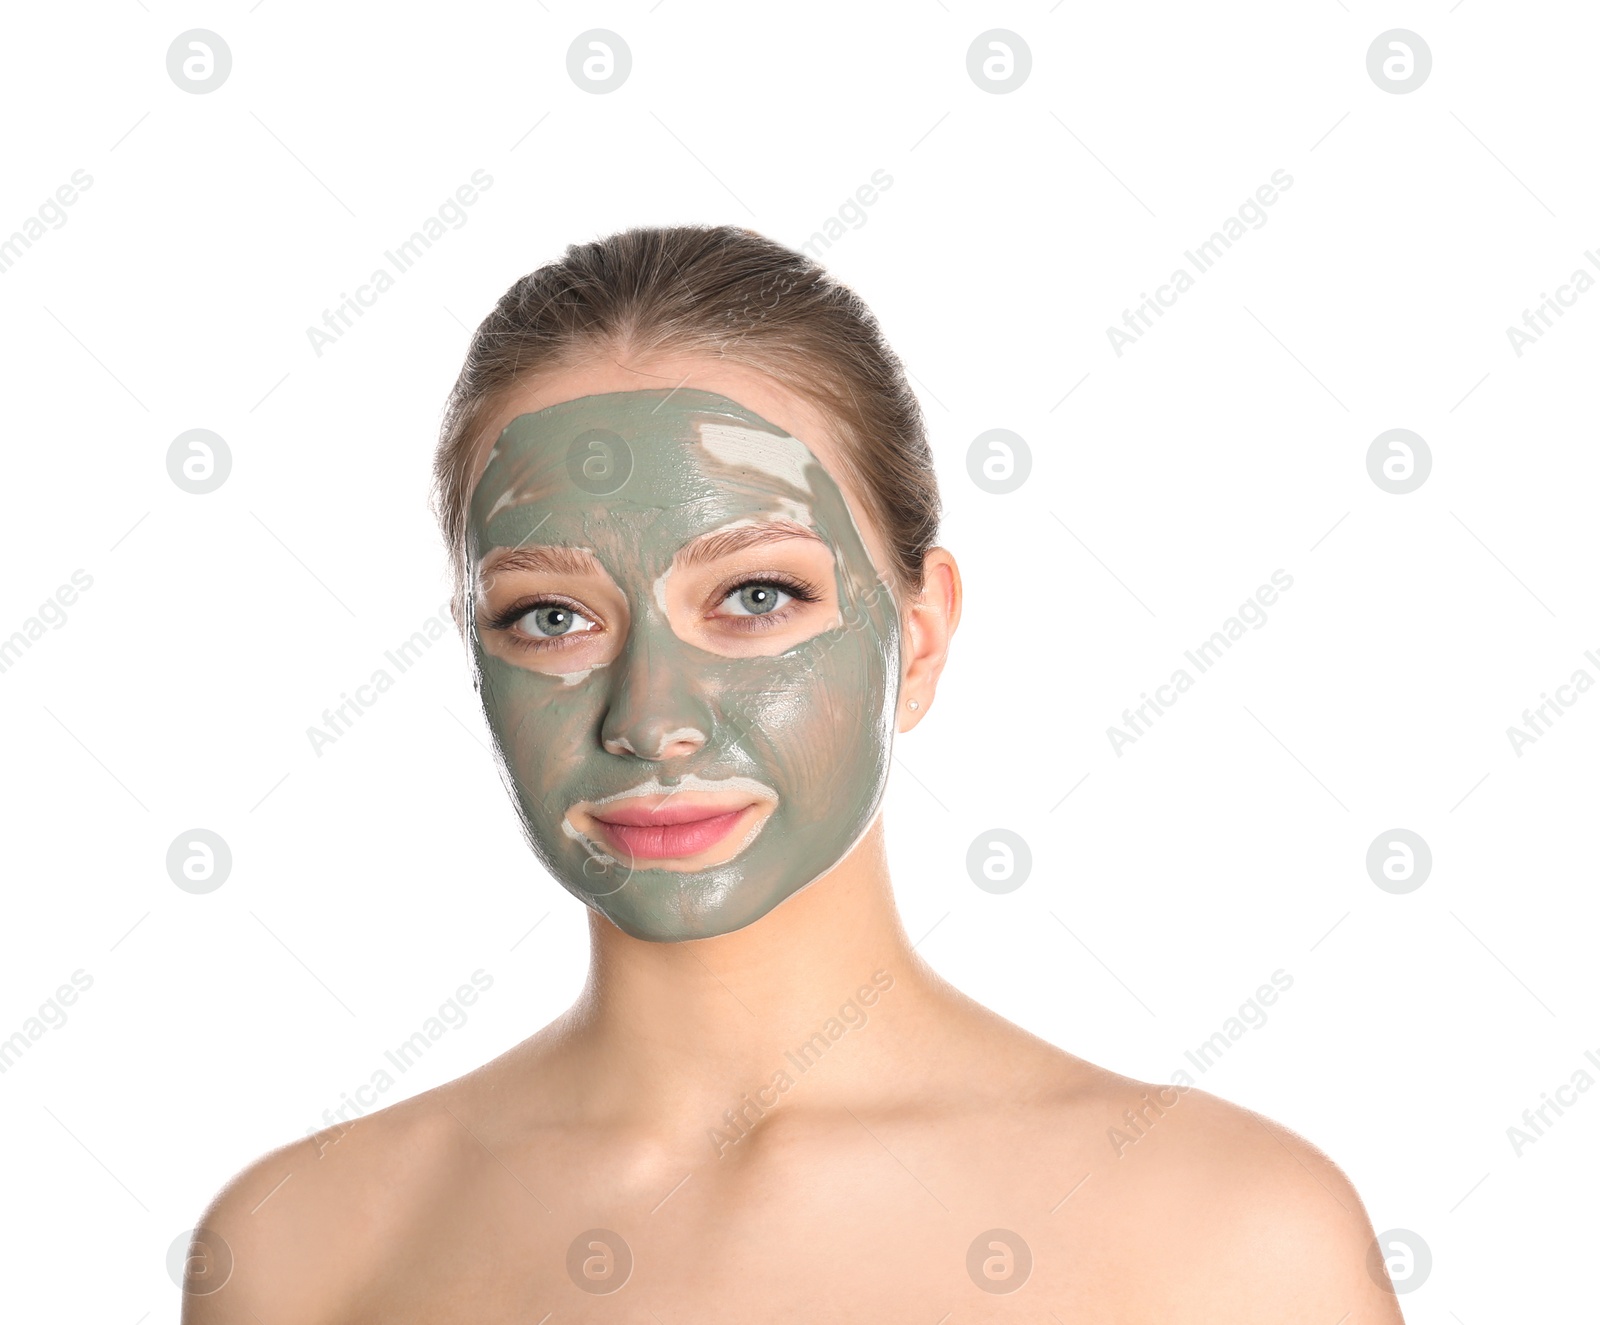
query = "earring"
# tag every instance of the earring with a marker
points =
(913, 706)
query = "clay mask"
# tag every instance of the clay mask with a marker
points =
(628, 682)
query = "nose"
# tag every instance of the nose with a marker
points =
(656, 711)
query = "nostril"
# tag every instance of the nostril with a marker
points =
(655, 703)
(675, 744)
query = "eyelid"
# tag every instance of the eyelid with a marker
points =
(749, 620)
(797, 587)
(505, 621)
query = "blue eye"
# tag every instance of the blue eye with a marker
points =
(551, 620)
(756, 599)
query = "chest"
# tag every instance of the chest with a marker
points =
(881, 1229)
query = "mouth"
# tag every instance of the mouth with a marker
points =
(667, 833)
(692, 828)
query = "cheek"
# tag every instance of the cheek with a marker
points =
(818, 721)
(541, 725)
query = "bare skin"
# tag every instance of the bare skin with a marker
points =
(654, 1109)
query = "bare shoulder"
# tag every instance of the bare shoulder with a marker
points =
(303, 1231)
(1233, 1209)
(1187, 1207)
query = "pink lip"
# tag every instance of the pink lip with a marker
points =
(671, 830)
(635, 813)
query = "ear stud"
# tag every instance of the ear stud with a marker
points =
(913, 705)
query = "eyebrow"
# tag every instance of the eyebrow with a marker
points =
(554, 559)
(725, 542)
(540, 558)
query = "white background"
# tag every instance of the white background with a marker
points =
(1167, 484)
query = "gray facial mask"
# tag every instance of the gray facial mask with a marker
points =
(632, 478)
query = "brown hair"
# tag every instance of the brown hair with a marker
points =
(723, 292)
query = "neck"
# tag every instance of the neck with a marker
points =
(673, 1034)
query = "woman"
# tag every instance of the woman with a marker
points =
(691, 512)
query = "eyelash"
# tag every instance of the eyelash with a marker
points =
(505, 620)
(798, 589)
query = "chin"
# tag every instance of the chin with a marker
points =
(660, 906)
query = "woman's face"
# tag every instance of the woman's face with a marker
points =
(685, 651)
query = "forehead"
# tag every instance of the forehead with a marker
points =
(648, 470)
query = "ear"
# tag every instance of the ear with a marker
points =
(930, 622)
